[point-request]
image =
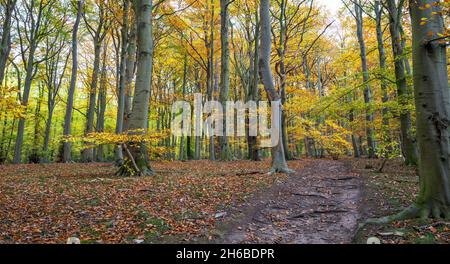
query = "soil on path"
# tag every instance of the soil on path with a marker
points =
(318, 205)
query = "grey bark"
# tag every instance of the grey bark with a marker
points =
(279, 163)
(137, 151)
(409, 148)
(101, 108)
(383, 70)
(98, 35)
(66, 153)
(432, 99)
(130, 74)
(224, 74)
(365, 70)
(5, 41)
(122, 81)
(35, 31)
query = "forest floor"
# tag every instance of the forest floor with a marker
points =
(209, 202)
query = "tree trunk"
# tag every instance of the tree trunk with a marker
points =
(253, 148)
(137, 161)
(122, 81)
(24, 102)
(432, 108)
(383, 71)
(5, 42)
(66, 155)
(130, 73)
(102, 103)
(367, 90)
(279, 163)
(224, 75)
(409, 148)
(88, 153)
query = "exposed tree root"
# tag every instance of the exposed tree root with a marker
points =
(416, 211)
(125, 171)
(281, 170)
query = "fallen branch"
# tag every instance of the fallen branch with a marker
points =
(131, 158)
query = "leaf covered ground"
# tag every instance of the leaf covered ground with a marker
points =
(49, 203)
(200, 201)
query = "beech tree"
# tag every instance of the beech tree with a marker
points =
(136, 157)
(432, 99)
(279, 163)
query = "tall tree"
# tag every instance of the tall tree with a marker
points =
(66, 151)
(279, 163)
(33, 21)
(409, 148)
(55, 69)
(225, 74)
(121, 93)
(98, 27)
(432, 99)
(358, 14)
(137, 159)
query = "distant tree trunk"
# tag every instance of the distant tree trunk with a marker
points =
(182, 154)
(98, 36)
(137, 161)
(367, 90)
(122, 81)
(88, 153)
(25, 97)
(34, 156)
(66, 155)
(102, 103)
(279, 163)
(210, 76)
(309, 142)
(197, 141)
(409, 148)
(253, 149)
(383, 70)
(130, 73)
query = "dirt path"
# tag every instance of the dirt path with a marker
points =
(318, 205)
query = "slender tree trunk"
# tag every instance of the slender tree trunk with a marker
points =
(367, 90)
(182, 154)
(279, 163)
(130, 73)
(66, 155)
(25, 98)
(409, 148)
(48, 126)
(122, 81)
(224, 75)
(88, 153)
(34, 156)
(383, 71)
(102, 103)
(254, 151)
(210, 75)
